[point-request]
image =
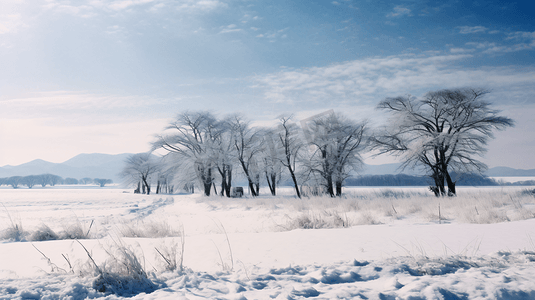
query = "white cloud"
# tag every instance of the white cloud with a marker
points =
(527, 38)
(120, 5)
(89, 8)
(10, 23)
(368, 79)
(461, 50)
(230, 28)
(471, 29)
(73, 107)
(399, 11)
(200, 5)
(481, 45)
(521, 35)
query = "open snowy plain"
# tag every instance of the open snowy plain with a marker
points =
(374, 243)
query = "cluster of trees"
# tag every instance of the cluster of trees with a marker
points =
(201, 150)
(442, 132)
(409, 180)
(48, 179)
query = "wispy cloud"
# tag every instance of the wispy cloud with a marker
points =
(90, 8)
(527, 42)
(399, 11)
(521, 35)
(481, 45)
(73, 106)
(471, 29)
(461, 50)
(10, 23)
(367, 79)
(200, 5)
(275, 34)
(120, 5)
(230, 28)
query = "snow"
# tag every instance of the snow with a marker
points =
(376, 243)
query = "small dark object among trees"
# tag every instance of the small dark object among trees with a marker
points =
(237, 192)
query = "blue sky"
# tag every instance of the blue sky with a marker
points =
(105, 76)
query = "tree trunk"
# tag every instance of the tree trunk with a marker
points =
(207, 188)
(206, 178)
(229, 181)
(271, 180)
(249, 180)
(339, 188)
(257, 184)
(451, 185)
(274, 180)
(439, 185)
(226, 177)
(292, 174)
(330, 190)
(146, 186)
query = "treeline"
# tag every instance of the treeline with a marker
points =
(410, 180)
(441, 133)
(206, 152)
(49, 179)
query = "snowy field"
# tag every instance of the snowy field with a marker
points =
(374, 243)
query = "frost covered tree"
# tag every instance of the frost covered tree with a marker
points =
(30, 180)
(14, 181)
(290, 144)
(270, 158)
(247, 143)
(443, 132)
(337, 143)
(102, 181)
(192, 137)
(223, 157)
(86, 180)
(138, 169)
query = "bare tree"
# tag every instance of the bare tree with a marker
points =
(247, 144)
(86, 180)
(271, 159)
(30, 180)
(288, 140)
(336, 146)
(223, 156)
(49, 179)
(14, 181)
(139, 168)
(443, 132)
(102, 182)
(192, 137)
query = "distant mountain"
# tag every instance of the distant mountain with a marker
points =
(509, 172)
(108, 166)
(95, 165)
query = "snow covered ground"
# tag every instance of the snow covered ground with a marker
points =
(375, 243)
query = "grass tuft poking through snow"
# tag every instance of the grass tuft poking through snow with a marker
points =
(122, 274)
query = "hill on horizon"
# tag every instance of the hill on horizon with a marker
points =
(109, 166)
(92, 165)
